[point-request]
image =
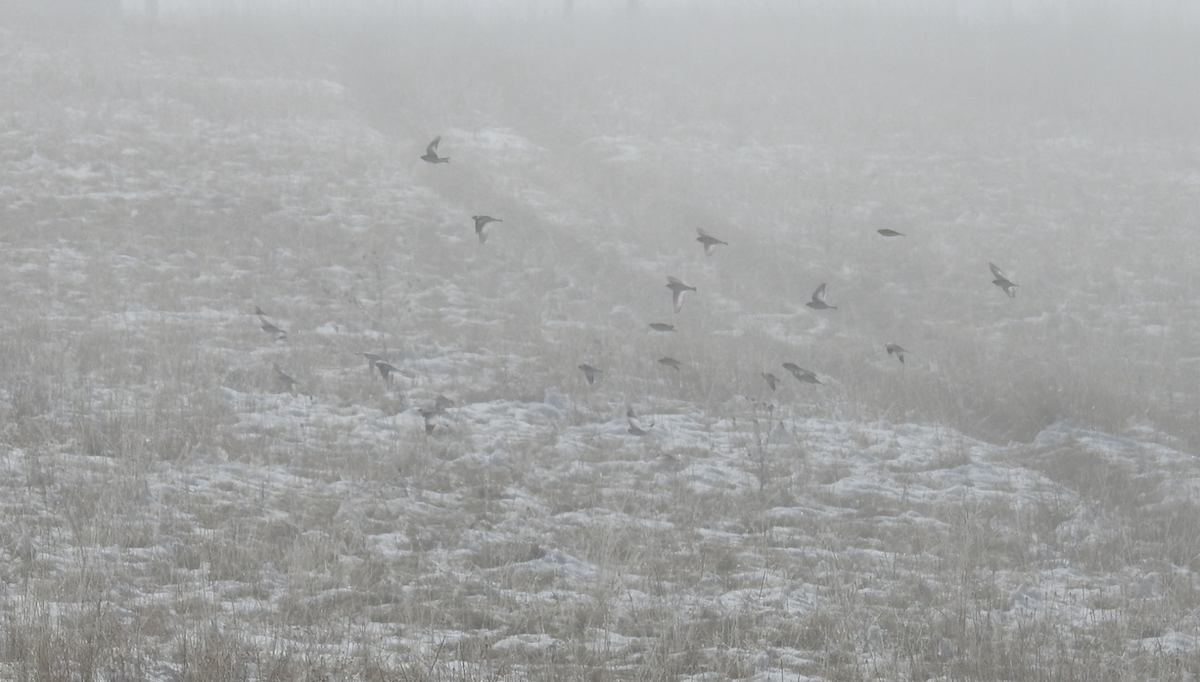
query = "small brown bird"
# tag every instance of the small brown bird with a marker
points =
(1003, 282)
(271, 329)
(662, 327)
(431, 155)
(890, 233)
(430, 414)
(670, 362)
(800, 373)
(710, 242)
(635, 425)
(590, 373)
(895, 349)
(772, 380)
(818, 300)
(284, 378)
(678, 289)
(481, 223)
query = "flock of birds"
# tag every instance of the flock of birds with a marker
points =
(591, 373)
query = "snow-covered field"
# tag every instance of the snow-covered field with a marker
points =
(1016, 501)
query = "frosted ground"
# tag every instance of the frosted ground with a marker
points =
(1015, 502)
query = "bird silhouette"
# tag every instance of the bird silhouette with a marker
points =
(890, 233)
(635, 425)
(772, 380)
(678, 289)
(481, 223)
(710, 242)
(818, 300)
(430, 414)
(662, 327)
(895, 349)
(590, 373)
(1003, 282)
(670, 362)
(800, 373)
(431, 155)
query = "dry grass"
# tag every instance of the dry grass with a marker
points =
(170, 511)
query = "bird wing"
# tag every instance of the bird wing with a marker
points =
(634, 422)
(997, 272)
(819, 295)
(432, 148)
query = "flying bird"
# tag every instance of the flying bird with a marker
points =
(662, 327)
(635, 425)
(431, 155)
(677, 290)
(800, 373)
(1003, 282)
(772, 380)
(590, 373)
(818, 300)
(481, 223)
(895, 349)
(890, 233)
(670, 362)
(710, 242)
(430, 414)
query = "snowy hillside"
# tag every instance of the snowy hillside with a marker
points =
(206, 226)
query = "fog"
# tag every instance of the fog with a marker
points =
(1057, 143)
(972, 12)
(1057, 140)
(808, 340)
